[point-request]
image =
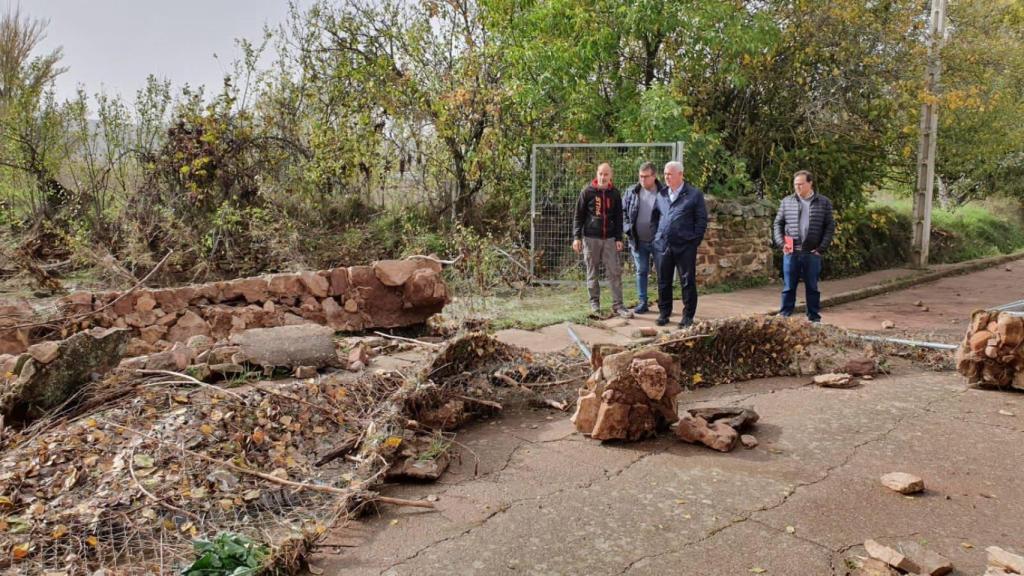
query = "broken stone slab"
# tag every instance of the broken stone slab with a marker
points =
(910, 557)
(651, 377)
(227, 370)
(903, 483)
(42, 387)
(928, 562)
(45, 352)
(889, 556)
(303, 372)
(861, 366)
(694, 429)
(297, 345)
(737, 417)
(999, 558)
(835, 380)
(874, 567)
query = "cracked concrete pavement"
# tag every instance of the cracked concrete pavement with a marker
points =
(532, 497)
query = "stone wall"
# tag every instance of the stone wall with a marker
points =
(387, 294)
(738, 241)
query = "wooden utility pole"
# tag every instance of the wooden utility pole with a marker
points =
(929, 135)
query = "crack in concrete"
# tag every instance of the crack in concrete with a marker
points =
(748, 515)
(606, 475)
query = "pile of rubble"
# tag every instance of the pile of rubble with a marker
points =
(388, 294)
(130, 482)
(630, 396)
(991, 353)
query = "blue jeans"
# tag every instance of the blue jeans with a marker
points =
(797, 266)
(642, 254)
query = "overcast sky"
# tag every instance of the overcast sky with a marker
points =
(115, 44)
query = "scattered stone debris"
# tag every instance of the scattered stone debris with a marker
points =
(1003, 563)
(645, 332)
(717, 428)
(888, 324)
(749, 441)
(918, 303)
(835, 380)
(991, 354)
(910, 557)
(717, 435)
(903, 483)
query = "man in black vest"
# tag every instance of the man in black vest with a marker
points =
(803, 228)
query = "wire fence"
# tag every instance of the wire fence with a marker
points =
(558, 173)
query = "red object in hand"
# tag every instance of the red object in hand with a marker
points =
(788, 247)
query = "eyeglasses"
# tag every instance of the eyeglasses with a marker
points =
(645, 176)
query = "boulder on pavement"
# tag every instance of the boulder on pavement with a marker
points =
(903, 483)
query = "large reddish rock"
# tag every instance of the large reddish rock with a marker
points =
(190, 324)
(251, 290)
(425, 288)
(612, 422)
(314, 284)
(394, 272)
(338, 279)
(285, 285)
(14, 313)
(173, 300)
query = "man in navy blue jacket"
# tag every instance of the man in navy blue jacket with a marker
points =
(682, 221)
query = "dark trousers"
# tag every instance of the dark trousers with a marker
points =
(682, 259)
(797, 266)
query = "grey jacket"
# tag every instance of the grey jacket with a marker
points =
(821, 224)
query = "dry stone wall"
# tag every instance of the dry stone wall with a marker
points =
(738, 243)
(386, 294)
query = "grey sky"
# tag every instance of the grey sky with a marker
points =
(115, 44)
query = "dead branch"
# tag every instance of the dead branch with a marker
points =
(148, 494)
(75, 317)
(257, 473)
(189, 380)
(410, 340)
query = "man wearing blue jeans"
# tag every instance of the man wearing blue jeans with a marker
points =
(640, 223)
(803, 227)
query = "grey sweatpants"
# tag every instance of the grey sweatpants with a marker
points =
(595, 253)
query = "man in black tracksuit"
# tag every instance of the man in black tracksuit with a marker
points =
(803, 228)
(597, 232)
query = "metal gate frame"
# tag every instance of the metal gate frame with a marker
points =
(677, 155)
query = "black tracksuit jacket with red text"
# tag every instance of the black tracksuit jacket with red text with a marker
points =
(598, 213)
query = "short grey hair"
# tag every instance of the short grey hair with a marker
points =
(676, 165)
(647, 167)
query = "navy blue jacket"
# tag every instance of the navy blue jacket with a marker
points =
(682, 222)
(631, 210)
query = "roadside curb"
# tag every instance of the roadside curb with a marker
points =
(915, 279)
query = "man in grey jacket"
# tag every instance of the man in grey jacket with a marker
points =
(640, 224)
(803, 228)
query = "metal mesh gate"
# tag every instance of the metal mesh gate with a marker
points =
(558, 173)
